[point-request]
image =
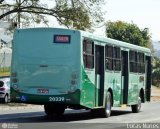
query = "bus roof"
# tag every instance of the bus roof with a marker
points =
(98, 38)
(107, 40)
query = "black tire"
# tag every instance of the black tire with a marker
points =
(54, 109)
(137, 107)
(59, 110)
(106, 112)
(5, 99)
(95, 112)
(48, 109)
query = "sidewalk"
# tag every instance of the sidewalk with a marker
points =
(13, 106)
(155, 94)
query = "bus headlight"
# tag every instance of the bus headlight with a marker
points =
(15, 86)
(73, 82)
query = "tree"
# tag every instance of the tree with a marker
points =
(80, 14)
(1, 1)
(127, 32)
(156, 72)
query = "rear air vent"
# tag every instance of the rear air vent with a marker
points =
(43, 65)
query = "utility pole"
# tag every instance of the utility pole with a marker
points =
(73, 8)
(19, 15)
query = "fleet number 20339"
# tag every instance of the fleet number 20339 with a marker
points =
(56, 99)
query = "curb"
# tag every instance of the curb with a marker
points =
(7, 107)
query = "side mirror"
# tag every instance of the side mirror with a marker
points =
(1, 83)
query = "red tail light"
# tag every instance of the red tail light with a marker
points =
(2, 89)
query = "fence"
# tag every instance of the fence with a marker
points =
(5, 63)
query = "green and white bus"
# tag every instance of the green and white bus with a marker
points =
(63, 68)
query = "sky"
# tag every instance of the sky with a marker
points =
(144, 13)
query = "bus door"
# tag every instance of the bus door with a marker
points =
(99, 75)
(148, 78)
(125, 77)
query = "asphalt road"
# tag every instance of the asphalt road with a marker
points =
(31, 118)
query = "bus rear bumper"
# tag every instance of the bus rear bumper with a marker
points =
(67, 99)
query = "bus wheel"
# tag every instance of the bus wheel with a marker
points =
(48, 108)
(137, 107)
(59, 110)
(54, 109)
(5, 99)
(108, 105)
(106, 112)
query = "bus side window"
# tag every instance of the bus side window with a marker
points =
(141, 64)
(117, 59)
(109, 57)
(133, 61)
(88, 53)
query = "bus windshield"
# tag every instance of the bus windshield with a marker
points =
(48, 46)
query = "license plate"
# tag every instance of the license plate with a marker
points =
(43, 91)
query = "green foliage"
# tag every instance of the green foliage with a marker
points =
(76, 17)
(156, 72)
(128, 33)
(78, 14)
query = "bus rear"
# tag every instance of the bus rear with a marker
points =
(46, 66)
